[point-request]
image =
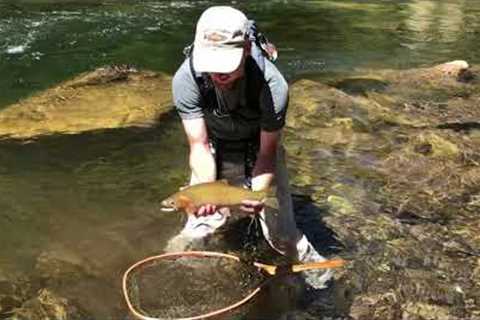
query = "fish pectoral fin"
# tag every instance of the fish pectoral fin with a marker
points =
(183, 201)
(191, 209)
(187, 204)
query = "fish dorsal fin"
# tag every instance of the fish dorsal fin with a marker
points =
(223, 181)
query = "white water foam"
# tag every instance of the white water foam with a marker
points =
(16, 49)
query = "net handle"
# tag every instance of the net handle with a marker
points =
(327, 264)
(173, 255)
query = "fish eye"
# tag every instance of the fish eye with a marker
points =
(169, 203)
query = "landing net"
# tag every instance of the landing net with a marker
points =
(189, 285)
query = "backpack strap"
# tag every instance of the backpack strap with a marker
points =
(264, 46)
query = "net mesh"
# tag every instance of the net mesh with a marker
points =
(190, 286)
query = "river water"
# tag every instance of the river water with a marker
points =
(92, 199)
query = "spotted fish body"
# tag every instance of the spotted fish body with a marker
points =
(218, 193)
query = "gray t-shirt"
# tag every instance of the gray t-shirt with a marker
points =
(258, 101)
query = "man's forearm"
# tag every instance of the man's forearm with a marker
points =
(202, 164)
(263, 172)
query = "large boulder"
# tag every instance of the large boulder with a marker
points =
(109, 97)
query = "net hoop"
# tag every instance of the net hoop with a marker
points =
(175, 255)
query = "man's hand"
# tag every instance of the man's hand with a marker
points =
(206, 210)
(252, 206)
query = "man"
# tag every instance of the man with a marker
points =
(233, 103)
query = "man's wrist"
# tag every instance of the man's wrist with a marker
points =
(262, 182)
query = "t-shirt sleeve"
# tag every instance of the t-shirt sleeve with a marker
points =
(273, 99)
(186, 95)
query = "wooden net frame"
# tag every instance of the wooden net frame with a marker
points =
(175, 255)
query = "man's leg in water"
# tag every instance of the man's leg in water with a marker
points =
(280, 229)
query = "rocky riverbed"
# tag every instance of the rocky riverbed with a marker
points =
(393, 158)
(385, 168)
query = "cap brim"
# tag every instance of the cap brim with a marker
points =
(216, 60)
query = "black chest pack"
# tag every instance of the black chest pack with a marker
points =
(261, 49)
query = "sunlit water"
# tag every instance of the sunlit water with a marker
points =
(92, 199)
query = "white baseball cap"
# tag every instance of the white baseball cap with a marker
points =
(219, 40)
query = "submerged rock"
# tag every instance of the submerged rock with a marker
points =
(9, 298)
(48, 305)
(110, 97)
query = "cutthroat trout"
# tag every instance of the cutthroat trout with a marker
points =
(218, 193)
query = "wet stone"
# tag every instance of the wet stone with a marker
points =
(48, 305)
